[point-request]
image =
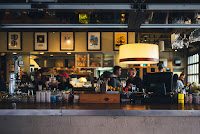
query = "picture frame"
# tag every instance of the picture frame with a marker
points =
(40, 41)
(14, 41)
(67, 41)
(119, 38)
(94, 41)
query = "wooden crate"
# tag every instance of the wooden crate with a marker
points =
(99, 98)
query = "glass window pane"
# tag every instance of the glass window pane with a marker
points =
(191, 59)
(190, 69)
(195, 68)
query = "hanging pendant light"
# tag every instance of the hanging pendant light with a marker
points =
(139, 53)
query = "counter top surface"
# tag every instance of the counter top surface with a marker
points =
(20, 109)
(100, 106)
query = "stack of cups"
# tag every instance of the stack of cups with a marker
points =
(38, 96)
(42, 97)
(48, 96)
(190, 99)
(196, 98)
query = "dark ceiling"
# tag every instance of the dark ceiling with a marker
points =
(133, 18)
(104, 1)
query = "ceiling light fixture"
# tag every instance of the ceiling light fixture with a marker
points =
(139, 53)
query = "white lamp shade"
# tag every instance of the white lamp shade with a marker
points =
(139, 53)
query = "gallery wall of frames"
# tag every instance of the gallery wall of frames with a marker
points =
(67, 41)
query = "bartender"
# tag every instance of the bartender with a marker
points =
(64, 82)
(37, 82)
(133, 79)
(115, 79)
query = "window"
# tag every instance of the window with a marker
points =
(193, 68)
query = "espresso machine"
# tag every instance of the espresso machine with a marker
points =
(14, 78)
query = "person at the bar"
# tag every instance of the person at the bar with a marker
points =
(175, 79)
(106, 78)
(181, 78)
(180, 84)
(37, 81)
(2, 81)
(133, 79)
(115, 79)
(64, 82)
(161, 67)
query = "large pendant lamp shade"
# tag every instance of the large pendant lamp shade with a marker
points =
(139, 53)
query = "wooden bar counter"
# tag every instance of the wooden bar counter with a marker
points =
(99, 98)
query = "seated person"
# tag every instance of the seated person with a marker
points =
(37, 81)
(133, 79)
(64, 82)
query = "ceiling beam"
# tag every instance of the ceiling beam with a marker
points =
(104, 6)
(68, 6)
(43, 26)
(170, 26)
(175, 7)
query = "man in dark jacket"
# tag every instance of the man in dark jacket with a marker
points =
(133, 79)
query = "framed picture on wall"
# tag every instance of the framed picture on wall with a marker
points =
(40, 41)
(120, 38)
(94, 41)
(67, 41)
(14, 41)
